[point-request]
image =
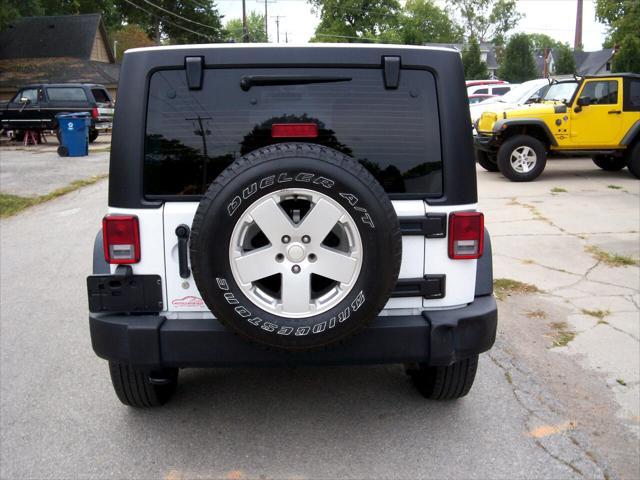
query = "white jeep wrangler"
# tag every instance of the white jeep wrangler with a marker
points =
(291, 205)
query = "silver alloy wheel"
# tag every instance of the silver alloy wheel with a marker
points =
(295, 253)
(523, 159)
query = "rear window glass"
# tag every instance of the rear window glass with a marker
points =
(500, 90)
(192, 135)
(632, 94)
(66, 94)
(100, 95)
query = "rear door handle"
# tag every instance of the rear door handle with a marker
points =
(615, 112)
(182, 232)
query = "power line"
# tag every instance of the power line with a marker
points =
(178, 16)
(362, 39)
(168, 21)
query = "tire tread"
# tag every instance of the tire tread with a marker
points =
(446, 382)
(285, 150)
(133, 388)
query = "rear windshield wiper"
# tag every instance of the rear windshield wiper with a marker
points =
(248, 81)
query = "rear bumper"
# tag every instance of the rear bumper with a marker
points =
(103, 125)
(435, 337)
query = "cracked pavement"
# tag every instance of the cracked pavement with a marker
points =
(552, 234)
(536, 411)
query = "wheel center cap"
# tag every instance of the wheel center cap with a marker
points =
(295, 253)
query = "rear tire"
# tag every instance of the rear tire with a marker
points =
(134, 386)
(633, 159)
(522, 158)
(487, 161)
(610, 163)
(445, 383)
(63, 151)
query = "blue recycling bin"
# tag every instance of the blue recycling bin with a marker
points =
(74, 134)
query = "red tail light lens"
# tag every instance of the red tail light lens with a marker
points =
(94, 112)
(466, 235)
(294, 130)
(121, 237)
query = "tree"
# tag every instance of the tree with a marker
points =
(565, 62)
(628, 57)
(518, 65)
(130, 36)
(10, 10)
(354, 20)
(422, 21)
(540, 41)
(487, 20)
(474, 67)
(255, 26)
(169, 21)
(621, 16)
(173, 21)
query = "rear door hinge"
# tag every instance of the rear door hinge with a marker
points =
(434, 225)
(429, 287)
(194, 67)
(391, 66)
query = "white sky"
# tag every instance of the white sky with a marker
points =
(556, 18)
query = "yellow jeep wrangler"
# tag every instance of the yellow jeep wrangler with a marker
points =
(596, 116)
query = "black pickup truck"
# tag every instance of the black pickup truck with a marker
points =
(35, 107)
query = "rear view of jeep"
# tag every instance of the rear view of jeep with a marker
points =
(291, 206)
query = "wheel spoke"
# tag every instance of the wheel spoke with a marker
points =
(272, 220)
(319, 221)
(296, 292)
(257, 264)
(335, 265)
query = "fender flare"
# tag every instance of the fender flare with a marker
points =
(100, 265)
(632, 134)
(484, 269)
(498, 126)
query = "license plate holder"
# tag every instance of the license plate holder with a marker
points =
(125, 293)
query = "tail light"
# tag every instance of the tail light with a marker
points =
(94, 112)
(466, 235)
(121, 237)
(294, 130)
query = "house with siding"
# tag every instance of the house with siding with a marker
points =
(594, 63)
(56, 49)
(487, 54)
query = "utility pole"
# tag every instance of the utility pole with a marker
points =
(266, 21)
(266, 17)
(245, 31)
(278, 17)
(286, 37)
(577, 43)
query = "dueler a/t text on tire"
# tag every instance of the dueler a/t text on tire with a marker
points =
(295, 246)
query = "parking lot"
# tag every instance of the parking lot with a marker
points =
(557, 397)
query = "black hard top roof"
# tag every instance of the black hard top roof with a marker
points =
(90, 85)
(608, 75)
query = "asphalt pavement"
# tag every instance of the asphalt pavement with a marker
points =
(59, 417)
(38, 169)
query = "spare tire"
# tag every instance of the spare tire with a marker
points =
(295, 246)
